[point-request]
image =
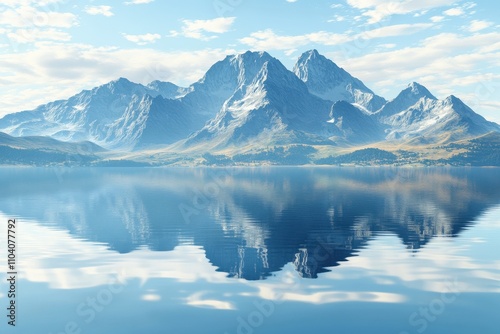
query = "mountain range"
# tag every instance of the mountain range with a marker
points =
(248, 103)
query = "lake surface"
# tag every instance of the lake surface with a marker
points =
(253, 250)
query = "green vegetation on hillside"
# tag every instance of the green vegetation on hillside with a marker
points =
(367, 156)
(482, 151)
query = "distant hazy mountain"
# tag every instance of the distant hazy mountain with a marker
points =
(42, 151)
(250, 102)
(116, 115)
(330, 82)
(47, 143)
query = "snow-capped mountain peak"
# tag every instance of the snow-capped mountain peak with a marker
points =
(234, 70)
(417, 90)
(248, 99)
(416, 113)
(407, 98)
(166, 89)
(271, 104)
(330, 82)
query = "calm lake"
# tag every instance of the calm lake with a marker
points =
(252, 250)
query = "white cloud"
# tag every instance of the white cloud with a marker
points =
(197, 28)
(26, 16)
(18, 3)
(378, 10)
(291, 0)
(445, 54)
(58, 70)
(336, 5)
(27, 24)
(337, 18)
(395, 30)
(138, 2)
(437, 19)
(457, 11)
(23, 36)
(388, 46)
(99, 10)
(443, 60)
(268, 40)
(142, 39)
(420, 13)
(477, 25)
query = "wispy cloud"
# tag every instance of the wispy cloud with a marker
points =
(25, 23)
(387, 46)
(464, 9)
(394, 30)
(440, 61)
(437, 19)
(99, 10)
(198, 28)
(19, 3)
(138, 2)
(378, 10)
(269, 40)
(23, 36)
(457, 11)
(432, 56)
(477, 25)
(142, 39)
(337, 18)
(58, 70)
(27, 16)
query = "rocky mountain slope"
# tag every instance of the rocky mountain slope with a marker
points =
(250, 101)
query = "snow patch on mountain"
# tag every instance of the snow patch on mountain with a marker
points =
(406, 99)
(431, 119)
(330, 82)
(247, 100)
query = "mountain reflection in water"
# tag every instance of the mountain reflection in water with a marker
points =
(252, 222)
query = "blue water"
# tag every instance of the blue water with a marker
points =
(253, 250)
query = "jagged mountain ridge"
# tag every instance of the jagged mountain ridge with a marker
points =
(355, 125)
(417, 114)
(250, 99)
(271, 104)
(328, 81)
(113, 115)
(407, 98)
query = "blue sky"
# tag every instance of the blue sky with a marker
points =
(52, 49)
